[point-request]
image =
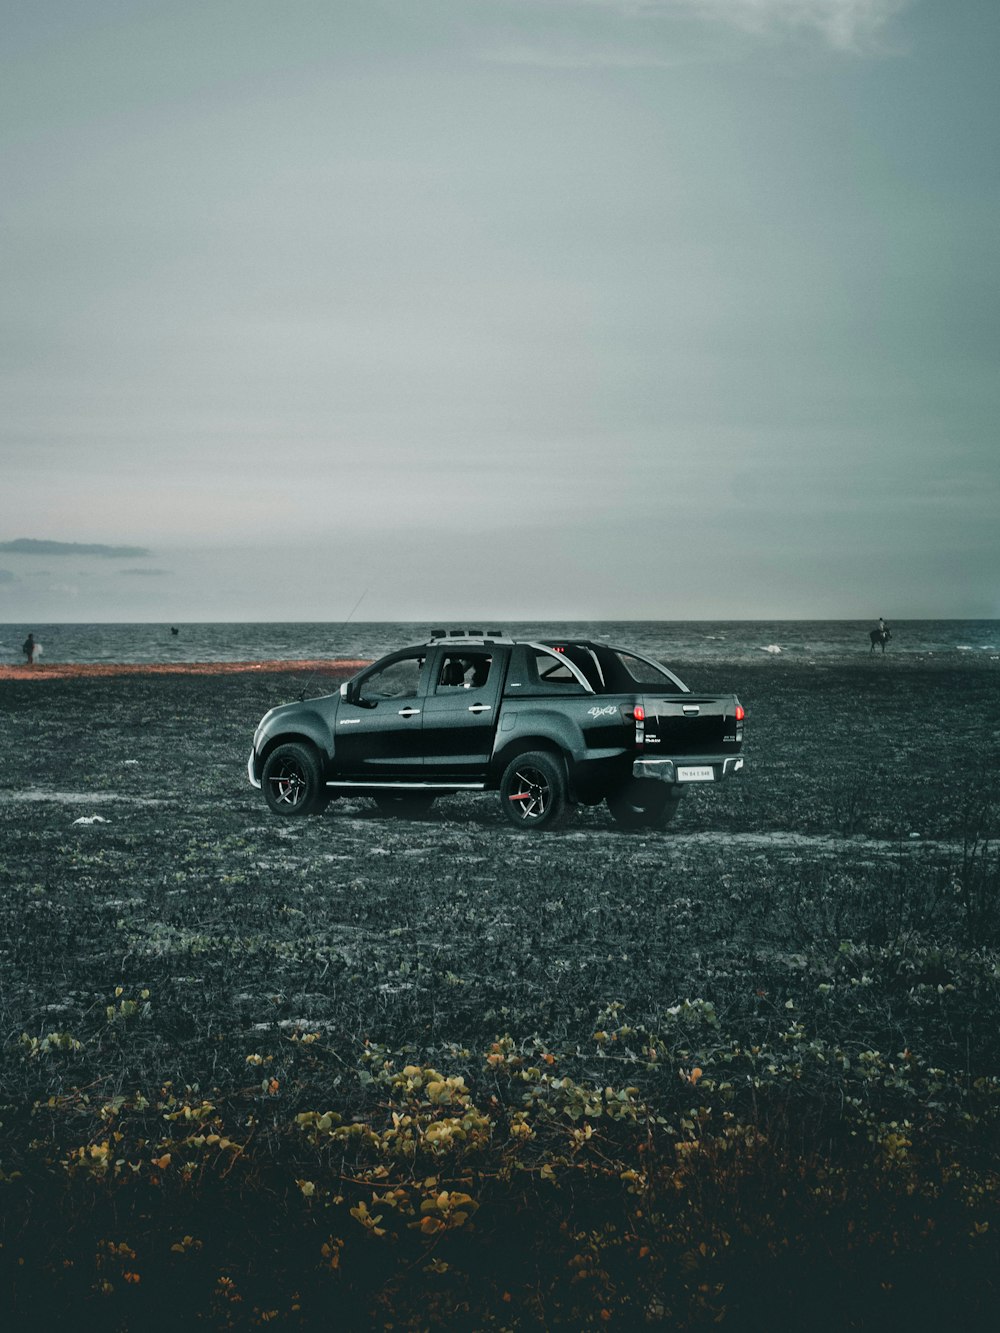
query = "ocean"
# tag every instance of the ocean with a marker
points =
(666, 640)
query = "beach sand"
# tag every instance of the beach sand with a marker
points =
(193, 945)
(875, 747)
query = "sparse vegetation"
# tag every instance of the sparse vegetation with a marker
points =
(358, 1072)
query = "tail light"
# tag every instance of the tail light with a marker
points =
(740, 713)
(635, 714)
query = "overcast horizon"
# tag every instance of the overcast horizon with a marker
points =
(506, 309)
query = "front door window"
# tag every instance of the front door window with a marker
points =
(398, 680)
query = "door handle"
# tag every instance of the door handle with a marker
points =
(480, 708)
(691, 709)
(408, 712)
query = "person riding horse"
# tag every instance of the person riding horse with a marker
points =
(880, 635)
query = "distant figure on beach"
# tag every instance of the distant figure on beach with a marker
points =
(28, 648)
(174, 629)
(881, 634)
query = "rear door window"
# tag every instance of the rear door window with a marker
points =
(463, 671)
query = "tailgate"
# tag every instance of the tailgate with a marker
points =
(691, 724)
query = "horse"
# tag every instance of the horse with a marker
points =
(881, 636)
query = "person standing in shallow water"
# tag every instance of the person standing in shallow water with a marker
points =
(880, 635)
(28, 648)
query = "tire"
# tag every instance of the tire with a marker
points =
(292, 782)
(534, 793)
(644, 803)
(404, 804)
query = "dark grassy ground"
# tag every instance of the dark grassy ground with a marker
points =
(774, 1026)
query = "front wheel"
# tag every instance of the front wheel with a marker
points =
(534, 793)
(404, 804)
(644, 803)
(292, 781)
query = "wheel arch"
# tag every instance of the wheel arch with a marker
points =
(299, 737)
(525, 744)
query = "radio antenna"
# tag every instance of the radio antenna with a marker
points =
(342, 626)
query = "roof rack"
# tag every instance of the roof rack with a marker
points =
(480, 636)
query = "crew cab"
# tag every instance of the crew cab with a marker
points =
(548, 724)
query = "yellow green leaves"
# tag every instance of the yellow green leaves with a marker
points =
(186, 1245)
(361, 1214)
(445, 1211)
(50, 1044)
(126, 1008)
(202, 1111)
(320, 1122)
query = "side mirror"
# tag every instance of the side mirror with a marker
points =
(350, 692)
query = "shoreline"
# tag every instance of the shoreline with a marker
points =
(690, 671)
(82, 670)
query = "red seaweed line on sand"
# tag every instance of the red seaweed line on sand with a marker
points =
(73, 670)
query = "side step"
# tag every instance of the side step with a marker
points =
(412, 786)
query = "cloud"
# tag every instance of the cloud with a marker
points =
(31, 546)
(146, 573)
(847, 25)
(853, 26)
(582, 59)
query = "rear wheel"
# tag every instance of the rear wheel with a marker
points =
(292, 781)
(404, 804)
(644, 803)
(534, 793)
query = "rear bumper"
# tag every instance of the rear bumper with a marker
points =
(689, 771)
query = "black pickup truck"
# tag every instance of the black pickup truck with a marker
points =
(549, 725)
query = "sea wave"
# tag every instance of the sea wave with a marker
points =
(669, 640)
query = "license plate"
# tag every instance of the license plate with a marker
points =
(696, 773)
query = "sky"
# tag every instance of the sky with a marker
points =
(524, 309)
